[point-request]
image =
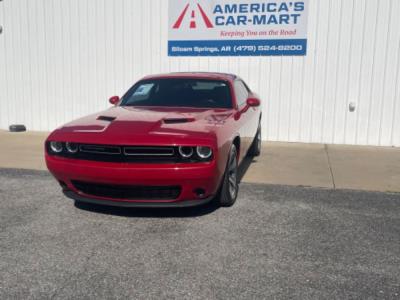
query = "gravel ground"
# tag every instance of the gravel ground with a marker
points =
(276, 242)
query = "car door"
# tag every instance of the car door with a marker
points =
(255, 112)
(245, 117)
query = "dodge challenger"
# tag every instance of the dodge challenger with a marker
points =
(172, 140)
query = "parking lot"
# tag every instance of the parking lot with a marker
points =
(276, 242)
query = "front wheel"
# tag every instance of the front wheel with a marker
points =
(230, 186)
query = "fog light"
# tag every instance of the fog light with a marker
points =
(204, 152)
(56, 147)
(186, 152)
(200, 193)
(71, 147)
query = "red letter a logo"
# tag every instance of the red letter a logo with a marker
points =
(206, 20)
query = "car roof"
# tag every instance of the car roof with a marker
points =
(200, 75)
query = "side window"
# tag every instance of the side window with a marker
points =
(241, 92)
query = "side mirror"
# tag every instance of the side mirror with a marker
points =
(253, 102)
(114, 100)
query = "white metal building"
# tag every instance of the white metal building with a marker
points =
(63, 59)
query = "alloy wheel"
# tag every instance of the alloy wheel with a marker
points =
(232, 176)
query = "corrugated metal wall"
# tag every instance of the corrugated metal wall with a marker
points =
(62, 59)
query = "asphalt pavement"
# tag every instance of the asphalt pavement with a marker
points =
(276, 242)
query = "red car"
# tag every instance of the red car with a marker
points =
(171, 140)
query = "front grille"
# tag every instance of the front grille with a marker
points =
(100, 149)
(149, 151)
(124, 154)
(126, 192)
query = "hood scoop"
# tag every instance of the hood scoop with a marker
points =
(177, 120)
(105, 118)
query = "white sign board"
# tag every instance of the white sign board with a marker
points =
(237, 27)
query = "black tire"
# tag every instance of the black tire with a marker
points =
(255, 148)
(230, 186)
(17, 128)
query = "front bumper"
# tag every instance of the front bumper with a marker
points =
(178, 204)
(190, 177)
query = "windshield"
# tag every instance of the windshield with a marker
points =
(179, 92)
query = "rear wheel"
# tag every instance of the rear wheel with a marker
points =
(255, 149)
(230, 187)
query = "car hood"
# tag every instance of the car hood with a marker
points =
(152, 125)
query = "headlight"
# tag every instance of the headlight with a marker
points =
(56, 147)
(185, 152)
(203, 152)
(71, 147)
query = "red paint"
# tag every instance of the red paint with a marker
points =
(253, 102)
(205, 18)
(193, 22)
(145, 126)
(114, 100)
(180, 19)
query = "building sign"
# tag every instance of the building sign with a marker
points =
(237, 27)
